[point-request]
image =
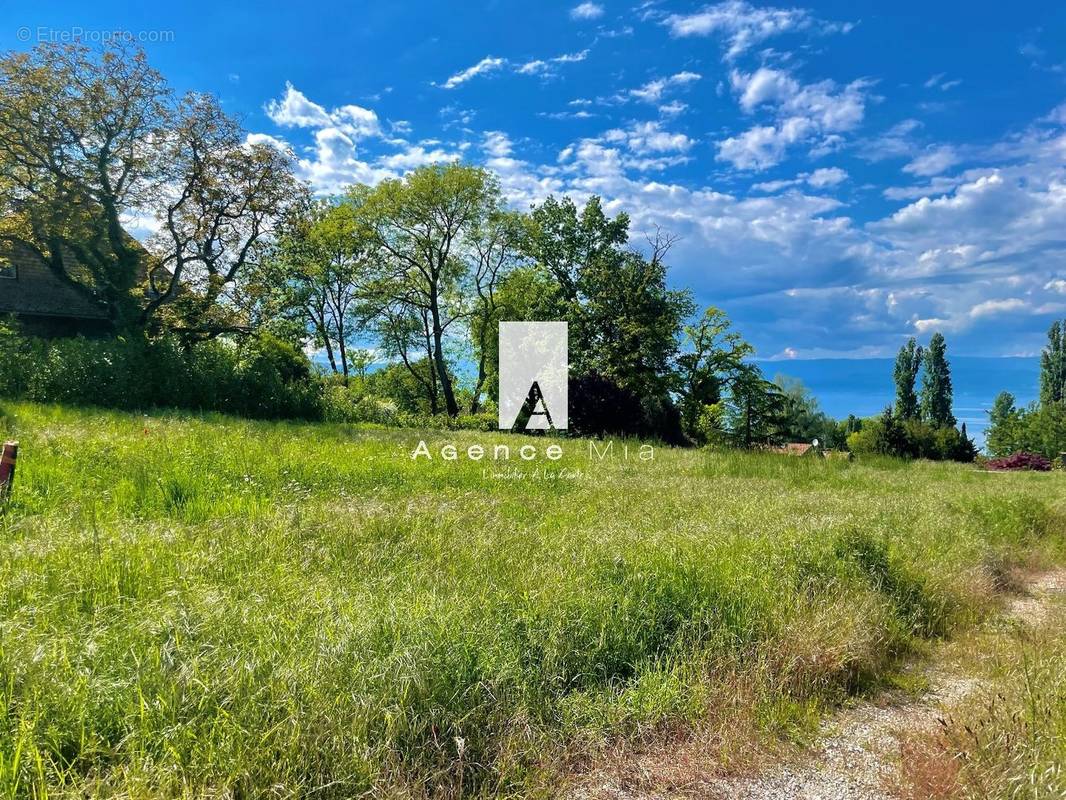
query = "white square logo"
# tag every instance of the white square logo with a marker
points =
(534, 370)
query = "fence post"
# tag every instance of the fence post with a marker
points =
(8, 453)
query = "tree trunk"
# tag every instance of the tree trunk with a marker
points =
(475, 401)
(438, 360)
(343, 349)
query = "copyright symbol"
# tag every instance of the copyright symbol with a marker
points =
(23, 34)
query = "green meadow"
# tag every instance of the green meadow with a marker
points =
(196, 605)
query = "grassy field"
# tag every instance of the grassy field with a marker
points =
(199, 606)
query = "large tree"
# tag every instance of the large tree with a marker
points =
(423, 224)
(936, 396)
(712, 355)
(497, 246)
(802, 419)
(1053, 365)
(322, 273)
(755, 408)
(80, 139)
(624, 323)
(90, 138)
(908, 364)
(220, 208)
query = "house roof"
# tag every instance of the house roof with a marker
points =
(35, 290)
(792, 449)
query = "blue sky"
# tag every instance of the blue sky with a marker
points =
(841, 175)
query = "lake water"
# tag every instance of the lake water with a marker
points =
(864, 387)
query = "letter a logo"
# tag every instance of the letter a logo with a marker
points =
(533, 376)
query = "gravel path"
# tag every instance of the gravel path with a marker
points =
(858, 754)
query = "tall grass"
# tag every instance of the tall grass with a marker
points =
(1007, 742)
(200, 605)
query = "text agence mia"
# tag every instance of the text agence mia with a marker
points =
(529, 452)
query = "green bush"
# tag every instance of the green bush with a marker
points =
(261, 378)
(888, 436)
(1036, 429)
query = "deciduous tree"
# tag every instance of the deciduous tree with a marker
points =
(81, 135)
(89, 138)
(423, 224)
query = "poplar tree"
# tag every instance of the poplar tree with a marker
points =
(908, 362)
(936, 385)
(1053, 365)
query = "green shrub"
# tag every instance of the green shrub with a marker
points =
(888, 436)
(261, 378)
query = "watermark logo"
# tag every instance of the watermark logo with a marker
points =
(533, 376)
(43, 33)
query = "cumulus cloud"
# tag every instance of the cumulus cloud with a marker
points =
(967, 317)
(819, 179)
(586, 11)
(333, 160)
(973, 249)
(267, 139)
(497, 144)
(937, 82)
(804, 113)
(743, 25)
(897, 142)
(649, 137)
(1058, 285)
(827, 176)
(933, 161)
(294, 110)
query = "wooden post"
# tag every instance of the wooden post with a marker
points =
(8, 454)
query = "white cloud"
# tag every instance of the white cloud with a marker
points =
(586, 11)
(649, 137)
(484, 66)
(827, 176)
(546, 67)
(416, 156)
(536, 66)
(991, 308)
(652, 91)
(1058, 285)
(334, 160)
(744, 25)
(265, 138)
(294, 110)
(804, 112)
(762, 146)
(497, 144)
(819, 179)
(532, 67)
(1057, 115)
(897, 142)
(937, 185)
(933, 162)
